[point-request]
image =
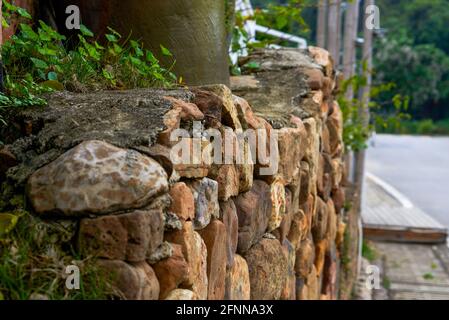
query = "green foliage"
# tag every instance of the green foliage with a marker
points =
(420, 127)
(428, 276)
(286, 17)
(415, 54)
(368, 251)
(357, 129)
(31, 262)
(36, 61)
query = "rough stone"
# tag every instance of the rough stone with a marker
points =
(323, 58)
(214, 235)
(313, 286)
(339, 199)
(290, 153)
(181, 294)
(237, 280)
(195, 252)
(205, 194)
(126, 119)
(171, 272)
(228, 215)
(284, 228)
(96, 178)
(305, 257)
(289, 290)
(132, 236)
(319, 224)
(164, 251)
(229, 116)
(189, 111)
(267, 270)
(320, 254)
(315, 78)
(253, 210)
(228, 180)
(298, 229)
(332, 222)
(277, 192)
(182, 201)
(135, 281)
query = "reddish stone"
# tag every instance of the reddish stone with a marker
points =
(182, 201)
(132, 281)
(171, 272)
(214, 236)
(305, 257)
(267, 270)
(228, 215)
(237, 280)
(131, 236)
(254, 210)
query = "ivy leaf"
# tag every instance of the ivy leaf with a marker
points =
(23, 13)
(165, 51)
(40, 64)
(85, 31)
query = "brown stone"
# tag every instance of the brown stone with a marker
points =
(298, 229)
(189, 163)
(315, 78)
(181, 294)
(332, 222)
(329, 286)
(211, 105)
(335, 126)
(253, 210)
(131, 236)
(319, 223)
(182, 201)
(214, 235)
(285, 226)
(237, 280)
(323, 58)
(305, 183)
(172, 121)
(337, 172)
(305, 257)
(267, 270)
(189, 111)
(205, 194)
(195, 252)
(290, 153)
(313, 286)
(229, 116)
(340, 234)
(135, 281)
(171, 272)
(228, 181)
(228, 215)
(289, 290)
(277, 192)
(302, 292)
(320, 254)
(339, 199)
(96, 178)
(7, 160)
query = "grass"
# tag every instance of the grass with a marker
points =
(418, 127)
(368, 252)
(33, 260)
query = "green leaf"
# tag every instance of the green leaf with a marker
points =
(23, 13)
(85, 31)
(38, 63)
(7, 222)
(111, 38)
(165, 51)
(252, 65)
(151, 58)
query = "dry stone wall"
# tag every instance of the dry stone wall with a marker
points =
(199, 229)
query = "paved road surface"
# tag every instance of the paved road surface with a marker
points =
(418, 166)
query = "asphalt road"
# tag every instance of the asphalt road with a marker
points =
(418, 166)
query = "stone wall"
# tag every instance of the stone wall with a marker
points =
(198, 230)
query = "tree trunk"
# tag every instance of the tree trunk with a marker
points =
(193, 30)
(333, 33)
(321, 24)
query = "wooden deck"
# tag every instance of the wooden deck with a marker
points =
(386, 218)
